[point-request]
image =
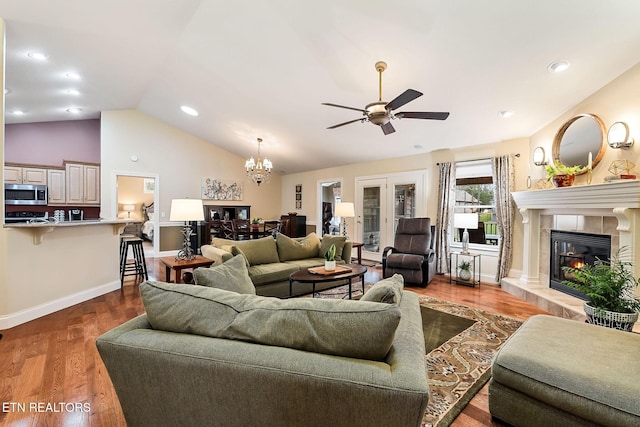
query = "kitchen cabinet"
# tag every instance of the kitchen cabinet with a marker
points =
(82, 183)
(56, 186)
(25, 175)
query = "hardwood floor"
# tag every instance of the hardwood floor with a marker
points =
(50, 364)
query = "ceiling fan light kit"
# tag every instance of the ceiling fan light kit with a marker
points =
(381, 113)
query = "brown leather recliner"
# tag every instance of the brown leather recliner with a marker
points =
(413, 252)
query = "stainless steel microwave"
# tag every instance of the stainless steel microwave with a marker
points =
(25, 194)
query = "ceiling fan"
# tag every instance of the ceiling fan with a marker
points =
(381, 113)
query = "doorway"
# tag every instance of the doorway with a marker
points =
(382, 201)
(329, 194)
(136, 197)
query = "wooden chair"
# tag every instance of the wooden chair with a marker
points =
(241, 229)
(271, 228)
(226, 230)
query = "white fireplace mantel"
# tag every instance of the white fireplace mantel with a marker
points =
(619, 199)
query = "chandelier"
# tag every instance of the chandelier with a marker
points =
(260, 171)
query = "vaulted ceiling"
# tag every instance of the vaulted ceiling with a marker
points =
(263, 68)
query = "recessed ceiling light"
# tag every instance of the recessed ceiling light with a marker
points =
(72, 92)
(505, 114)
(74, 110)
(74, 76)
(417, 146)
(558, 66)
(37, 55)
(17, 112)
(188, 110)
(6, 90)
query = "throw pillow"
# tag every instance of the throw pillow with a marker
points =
(292, 249)
(387, 290)
(363, 330)
(258, 251)
(231, 276)
(328, 240)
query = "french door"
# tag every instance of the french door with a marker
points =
(382, 200)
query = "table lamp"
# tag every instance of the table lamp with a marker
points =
(344, 210)
(186, 210)
(128, 208)
(465, 221)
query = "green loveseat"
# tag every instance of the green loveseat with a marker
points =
(271, 261)
(164, 376)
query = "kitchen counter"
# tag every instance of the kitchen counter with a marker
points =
(40, 228)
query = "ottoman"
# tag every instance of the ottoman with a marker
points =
(560, 372)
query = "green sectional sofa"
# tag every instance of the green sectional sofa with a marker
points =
(271, 261)
(208, 356)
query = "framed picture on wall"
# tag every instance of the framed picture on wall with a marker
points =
(299, 188)
(149, 186)
(298, 204)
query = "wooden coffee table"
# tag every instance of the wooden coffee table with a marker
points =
(171, 263)
(304, 276)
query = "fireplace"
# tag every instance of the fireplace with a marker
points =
(575, 249)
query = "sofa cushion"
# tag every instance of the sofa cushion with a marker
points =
(363, 330)
(258, 251)
(299, 248)
(269, 273)
(387, 290)
(328, 240)
(231, 276)
(307, 262)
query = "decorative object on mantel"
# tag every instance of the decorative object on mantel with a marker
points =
(618, 136)
(539, 157)
(215, 189)
(610, 287)
(576, 138)
(260, 171)
(186, 210)
(561, 174)
(620, 170)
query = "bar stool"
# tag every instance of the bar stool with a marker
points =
(137, 267)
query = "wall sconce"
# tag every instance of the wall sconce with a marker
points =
(618, 136)
(539, 157)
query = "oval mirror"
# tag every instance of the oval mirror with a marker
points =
(579, 136)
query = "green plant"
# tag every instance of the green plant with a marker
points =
(559, 168)
(330, 255)
(609, 285)
(256, 220)
(465, 265)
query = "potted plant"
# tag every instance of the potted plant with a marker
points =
(464, 271)
(255, 224)
(561, 174)
(609, 287)
(330, 258)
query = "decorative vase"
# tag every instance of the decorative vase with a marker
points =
(464, 275)
(563, 180)
(330, 265)
(610, 319)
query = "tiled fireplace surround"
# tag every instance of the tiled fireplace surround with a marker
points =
(612, 208)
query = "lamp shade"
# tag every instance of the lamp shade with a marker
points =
(345, 210)
(186, 210)
(465, 220)
(129, 207)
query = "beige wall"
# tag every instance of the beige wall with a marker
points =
(179, 159)
(617, 101)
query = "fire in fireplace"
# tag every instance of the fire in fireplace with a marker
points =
(575, 249)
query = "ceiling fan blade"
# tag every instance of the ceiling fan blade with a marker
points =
(422, 115)
(405, 97)
(345, 123)
(387, 128)
(342, 106)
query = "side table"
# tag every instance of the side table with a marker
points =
(171, 263)
(467, 277)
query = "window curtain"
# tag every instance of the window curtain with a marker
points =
(503, 184)
(446, 199)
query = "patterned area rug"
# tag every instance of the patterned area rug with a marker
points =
(459, 362)
(459, 367)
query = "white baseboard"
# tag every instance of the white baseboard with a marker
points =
(31, 313)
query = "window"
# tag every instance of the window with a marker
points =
(474, 194)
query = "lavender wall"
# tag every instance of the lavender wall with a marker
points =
(50, 143)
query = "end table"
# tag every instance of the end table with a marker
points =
(464, 276)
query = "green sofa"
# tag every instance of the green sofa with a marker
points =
(165, 377)
(271, 261)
